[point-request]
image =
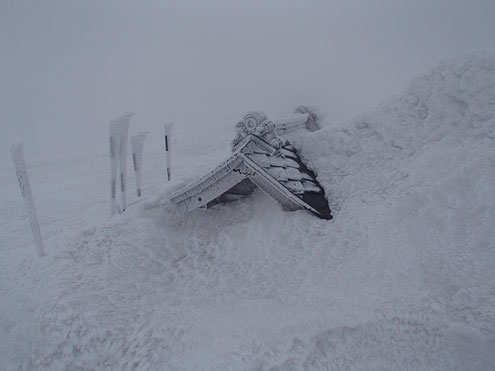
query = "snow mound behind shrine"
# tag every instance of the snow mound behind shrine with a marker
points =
(402, 278)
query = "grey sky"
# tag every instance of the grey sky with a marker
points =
(67, 67)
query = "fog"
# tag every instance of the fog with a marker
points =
(69, 66)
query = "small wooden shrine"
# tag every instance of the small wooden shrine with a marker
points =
(262, 158)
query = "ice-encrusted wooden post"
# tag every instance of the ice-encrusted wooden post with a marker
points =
(115, 137)
(167, 144)
(17, 154)
(119, 130)
(123, 160)
(137, 142)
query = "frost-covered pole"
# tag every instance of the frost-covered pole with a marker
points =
(119, 130)
(168, 152)
(137, 142)
(123, 159)
(115, 136)
(17, 154)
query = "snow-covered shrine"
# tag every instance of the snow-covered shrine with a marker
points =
(261, 157)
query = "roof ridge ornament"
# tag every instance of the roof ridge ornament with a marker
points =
(256, 123)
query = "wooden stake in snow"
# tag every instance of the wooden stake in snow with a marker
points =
(137, 142)
(123, 160)
(119, 129)
(168, 144)
(115, 137)
(17, 154)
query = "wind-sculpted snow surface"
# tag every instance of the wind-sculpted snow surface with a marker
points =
(402, 278)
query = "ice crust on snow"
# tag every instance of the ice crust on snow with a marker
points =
(402, 278)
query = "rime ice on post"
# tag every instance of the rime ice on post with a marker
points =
(17, 154)
(123, 160)
(115, 137)
(167, 144)
(137, 142)
(119, 129)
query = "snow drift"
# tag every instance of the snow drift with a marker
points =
(402, 278)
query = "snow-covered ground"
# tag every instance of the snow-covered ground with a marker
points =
(403, 277)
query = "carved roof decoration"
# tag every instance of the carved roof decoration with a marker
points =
(261, 158)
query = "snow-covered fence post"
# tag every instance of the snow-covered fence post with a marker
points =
(119, 130)
(17, 154)
(168, 152)
(115, 137)
(137, 142)
(123, 160)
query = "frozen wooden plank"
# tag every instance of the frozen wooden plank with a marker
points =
(294, 186)
(310, 186)
(293, 174)
(261, 159)
(278, 173)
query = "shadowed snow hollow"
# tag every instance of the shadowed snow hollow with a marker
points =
(402, 278)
